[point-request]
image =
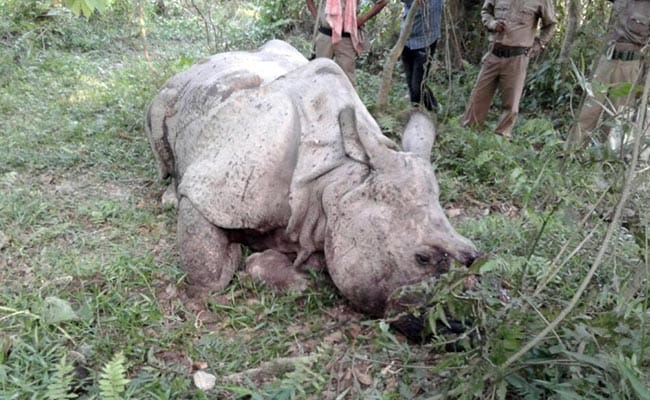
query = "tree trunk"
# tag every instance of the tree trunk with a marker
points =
(573, 16)
(393, 57)
(454, 13)
(464, 31)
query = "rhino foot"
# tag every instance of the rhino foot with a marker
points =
(315, 262)
(208, 258)
(275, 270)
(169, 199)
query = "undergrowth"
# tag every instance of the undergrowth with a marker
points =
(91, 304)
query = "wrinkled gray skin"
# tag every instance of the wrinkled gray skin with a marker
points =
(269, 150)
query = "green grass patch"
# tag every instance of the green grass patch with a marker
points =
(91, 301)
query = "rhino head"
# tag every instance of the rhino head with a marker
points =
(390, 232)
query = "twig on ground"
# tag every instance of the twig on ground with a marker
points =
(271, 368)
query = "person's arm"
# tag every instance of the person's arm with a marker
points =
(488, 19)
(549, 21)
(376, 8)
(312, 7)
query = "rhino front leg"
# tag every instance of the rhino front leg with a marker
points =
(275, 270)
(208, 258)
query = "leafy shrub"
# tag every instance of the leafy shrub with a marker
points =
(549, 87)
(281, 16)
(85, 7)
(568, 363)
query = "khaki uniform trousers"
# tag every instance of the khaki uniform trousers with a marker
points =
(509, 75)
(343, 53)
(608, 72)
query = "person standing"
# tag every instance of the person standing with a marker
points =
(512, 27)
(338, 34)
(621, 64)
(420, 47)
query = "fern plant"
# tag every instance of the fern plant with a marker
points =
(61, 383)
(113, 381)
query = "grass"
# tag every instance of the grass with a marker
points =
(89, 268)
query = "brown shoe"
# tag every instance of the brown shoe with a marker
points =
(506, 136)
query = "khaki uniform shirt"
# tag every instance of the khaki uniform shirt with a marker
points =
(521, 18)
(633, 26)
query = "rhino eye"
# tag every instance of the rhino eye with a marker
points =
(422, 259)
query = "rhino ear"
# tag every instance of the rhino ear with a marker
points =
(351, 144)
(363, 144)
(419, 135)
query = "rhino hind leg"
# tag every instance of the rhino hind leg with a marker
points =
(275, 270)
(208, 258)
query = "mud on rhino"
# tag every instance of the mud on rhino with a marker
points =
(277, 153)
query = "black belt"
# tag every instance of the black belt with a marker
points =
(328, 31)
(506, 51)
(626, 55)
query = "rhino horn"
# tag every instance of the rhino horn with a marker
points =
(419, 135)
(364, 145)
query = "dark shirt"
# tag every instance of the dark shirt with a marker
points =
(426, 24)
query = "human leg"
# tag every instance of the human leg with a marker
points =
(481, 97)
(416, 67)
(428, 98)
(623, 103)
(511, 86)
(323, 46)
(345, 56)
(592, 107)
(408, 62)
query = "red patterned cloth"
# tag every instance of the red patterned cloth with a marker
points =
(341, 21)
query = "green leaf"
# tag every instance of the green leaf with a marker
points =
(75, 7)
(185, 62)
(567, 393)
(502, 390)
(55, 310)
(243, 391)
(100, 5)
(113, 381)
(61, 382)
(85, 7)
(488, 266)
(639, 387)
(484, 157)
(624, 89)
(593, 361)
(516, 173)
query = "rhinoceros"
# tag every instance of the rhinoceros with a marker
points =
(269, 150)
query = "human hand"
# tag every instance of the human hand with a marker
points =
(536, 49)
(500, 26)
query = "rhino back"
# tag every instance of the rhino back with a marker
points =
(192, 93)
(216, 78)
(235, 164)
